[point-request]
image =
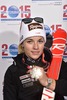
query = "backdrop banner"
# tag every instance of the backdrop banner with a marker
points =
(54, 13)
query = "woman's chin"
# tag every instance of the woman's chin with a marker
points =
(35, 57)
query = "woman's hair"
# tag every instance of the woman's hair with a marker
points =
(20, 49)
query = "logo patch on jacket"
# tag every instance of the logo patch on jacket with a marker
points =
(26, 80)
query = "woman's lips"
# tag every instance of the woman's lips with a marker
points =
(35, 52)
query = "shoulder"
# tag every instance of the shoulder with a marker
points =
(64, 63)
(15, 65)
(63, 70)
(11, 70)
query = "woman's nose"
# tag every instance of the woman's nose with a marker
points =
(36, 46)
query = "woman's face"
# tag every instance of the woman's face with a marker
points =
(33, 46)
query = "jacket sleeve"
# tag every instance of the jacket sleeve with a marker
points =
(61, 83)
(9, 87)
(61, 87)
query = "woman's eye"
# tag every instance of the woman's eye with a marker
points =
(41, 41)
(29, 41)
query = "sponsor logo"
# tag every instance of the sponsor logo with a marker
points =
(14, 13)
(47, 29)
(34, 26)
(58, 48)
(9, 51)
(65, 12)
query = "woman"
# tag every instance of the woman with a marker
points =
(26, 77)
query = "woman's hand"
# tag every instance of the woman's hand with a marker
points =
(39, 74)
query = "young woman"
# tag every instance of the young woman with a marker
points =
(26, 78)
